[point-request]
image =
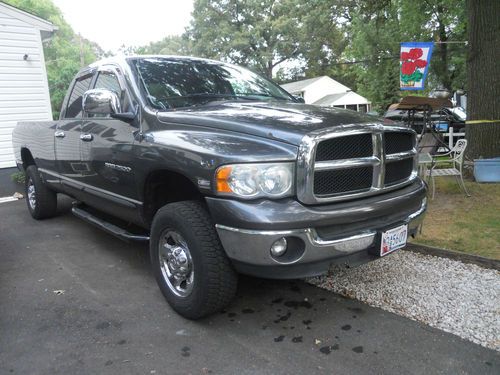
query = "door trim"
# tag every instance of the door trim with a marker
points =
(117, 198)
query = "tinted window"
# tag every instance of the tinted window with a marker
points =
(108, 81)
(74, 108)
(173, 83)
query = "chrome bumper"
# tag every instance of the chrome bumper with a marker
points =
(252, 247)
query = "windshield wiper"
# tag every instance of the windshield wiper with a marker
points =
(201, 95)
(253, 94)
(246, 95)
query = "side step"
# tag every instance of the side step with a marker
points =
(107, 226)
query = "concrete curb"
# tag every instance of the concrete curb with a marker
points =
(455, 255)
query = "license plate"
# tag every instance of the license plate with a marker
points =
(393, 239)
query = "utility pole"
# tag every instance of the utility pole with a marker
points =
(82, 60)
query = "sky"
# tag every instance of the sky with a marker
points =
(112, 23)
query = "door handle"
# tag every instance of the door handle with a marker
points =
(86, 137)
(59, 134)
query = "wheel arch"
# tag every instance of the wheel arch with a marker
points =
(27, 158)
(165, 186)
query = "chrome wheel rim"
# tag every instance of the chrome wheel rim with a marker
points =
(176, 263)
(31, 194)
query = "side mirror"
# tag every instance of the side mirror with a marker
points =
(101, 101)
(299, 99)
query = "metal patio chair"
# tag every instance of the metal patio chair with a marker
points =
(456, 158)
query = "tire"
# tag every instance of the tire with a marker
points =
(184, 246)
(42, 202)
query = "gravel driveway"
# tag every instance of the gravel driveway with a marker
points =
(459, 298)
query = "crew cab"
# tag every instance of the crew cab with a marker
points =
(222, 172)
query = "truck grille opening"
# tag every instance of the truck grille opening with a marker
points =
(349, 147)
(397, 142)
(342, 180)
(398, 171)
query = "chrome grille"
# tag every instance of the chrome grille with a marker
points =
(398, 142)
(353, 146)
(342, 180)
(353, 161)
(398, 171)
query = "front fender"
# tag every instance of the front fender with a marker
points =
(196, 153)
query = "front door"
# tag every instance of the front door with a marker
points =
(106, 148)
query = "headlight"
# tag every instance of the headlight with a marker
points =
(273, 180)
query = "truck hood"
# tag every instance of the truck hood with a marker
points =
(287, 122)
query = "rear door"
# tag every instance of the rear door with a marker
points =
(67, 136)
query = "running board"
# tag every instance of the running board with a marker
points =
(107, 226)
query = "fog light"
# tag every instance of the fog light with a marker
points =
(278, 248)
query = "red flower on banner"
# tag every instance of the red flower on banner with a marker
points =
(415, 53)
(405, 56)
(408, 67)
(411, 61)
(421, 63)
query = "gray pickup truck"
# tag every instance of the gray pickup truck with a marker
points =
(223, 172)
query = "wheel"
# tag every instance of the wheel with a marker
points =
(42, 202)
(189, 263)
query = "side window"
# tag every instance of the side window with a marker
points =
(109, 81)
(74, 108)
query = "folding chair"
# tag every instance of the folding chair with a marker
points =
(456, 157)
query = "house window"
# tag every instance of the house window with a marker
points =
(352, 107)
(363, 108)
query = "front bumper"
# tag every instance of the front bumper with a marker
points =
(349, 239)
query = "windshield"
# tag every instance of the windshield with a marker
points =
(175, 83)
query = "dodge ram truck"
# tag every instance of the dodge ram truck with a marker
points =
(222, 172)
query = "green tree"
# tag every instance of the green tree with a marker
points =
(257, 33)
(171, 45)
(64, 52)
(375, 30)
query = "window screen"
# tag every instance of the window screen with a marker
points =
(74, 109)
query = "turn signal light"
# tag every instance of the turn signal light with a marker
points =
(222, 178)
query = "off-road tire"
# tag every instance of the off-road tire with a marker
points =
(45, 199)
(215, 281)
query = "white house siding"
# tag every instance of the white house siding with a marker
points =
(24, 93)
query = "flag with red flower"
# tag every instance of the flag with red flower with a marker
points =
(414, 63)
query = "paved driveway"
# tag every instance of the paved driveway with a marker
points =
(111, 318)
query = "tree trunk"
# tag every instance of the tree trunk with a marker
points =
(483, 79)
(269, 69)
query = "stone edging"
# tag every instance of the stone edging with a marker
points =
(455, 255)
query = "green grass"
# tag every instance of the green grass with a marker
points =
(470, 225)
(18, 177)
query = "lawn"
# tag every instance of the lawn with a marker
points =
(470, 225)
